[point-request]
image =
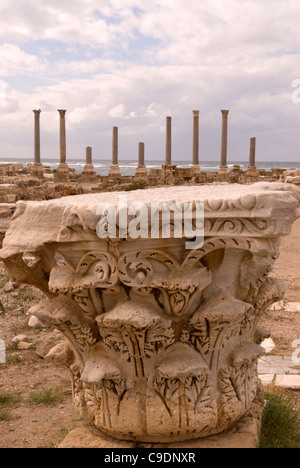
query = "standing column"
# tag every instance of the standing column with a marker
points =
(252, 153)
(88, 175)
(141, 169)
(141, 162)
(252, 167)
(62, 174)
(62, 136)
(89, 160)
(223, 166)
(195, 166)
(37, 141)
(114, 168)
(169, 142)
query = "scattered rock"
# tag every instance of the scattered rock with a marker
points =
(20, 338)
(9, 287)
(24, 346)
(35, 323)
(293, 180)
(43, 349)
(268, 345)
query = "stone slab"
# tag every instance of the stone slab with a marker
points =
(288, 381)
(267, 379)
(276, 365)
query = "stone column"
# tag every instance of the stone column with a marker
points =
(168, 169)
(195, 165)
(37, 141)
(223, 167)
(252, 154)
(62, 136)
(89, 175)
(169, 141)
(141, 169)
(62, 174)
(89, 160)
(114, 168)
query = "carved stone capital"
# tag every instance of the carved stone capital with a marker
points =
(162, 341)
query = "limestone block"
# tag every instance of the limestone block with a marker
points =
(288, 381)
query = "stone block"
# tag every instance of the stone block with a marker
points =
(288, 381)
(160, 346)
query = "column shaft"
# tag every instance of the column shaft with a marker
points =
(37, 141)
(62, 135)
(115, 147)
(141, 162)
(89, 159)
(196, 138)
(169, 142)
(252, 153)
(224, 138)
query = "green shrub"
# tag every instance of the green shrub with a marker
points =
(280, 424)
(47, 397)
(136, 185)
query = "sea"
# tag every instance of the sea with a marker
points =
(128, 168)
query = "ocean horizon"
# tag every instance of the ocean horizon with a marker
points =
(128, 167)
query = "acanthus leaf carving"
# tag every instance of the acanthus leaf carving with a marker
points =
(94, 270)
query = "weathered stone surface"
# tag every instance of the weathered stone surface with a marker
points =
(162, 339)
(19, 338)
(244, 434)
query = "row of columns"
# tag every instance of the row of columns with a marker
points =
(141, 168)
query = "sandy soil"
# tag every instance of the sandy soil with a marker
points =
(28, 422)
(285, 325)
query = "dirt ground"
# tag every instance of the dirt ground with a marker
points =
(36, 409)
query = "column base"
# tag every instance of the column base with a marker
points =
(88, 175)
(223, 170)
(37, 170)
(244, 433)
(141, 171)
(115, 171)
(252, 171)
(62, 173)
(195, 169)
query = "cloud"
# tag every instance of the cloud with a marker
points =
(15, 61)
(130, 63)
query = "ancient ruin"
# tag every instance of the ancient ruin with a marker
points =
(89, 175)
(195, 165)
(62, 174)
(223, 167)
(252, 167)
(162, 340)
(37, 142)
(141, 170)
(115, 169)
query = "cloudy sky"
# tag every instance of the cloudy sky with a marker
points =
(131, 63)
